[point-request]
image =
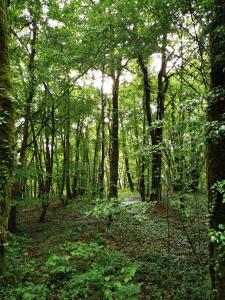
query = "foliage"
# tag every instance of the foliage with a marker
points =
(94, 271)
(128, 260)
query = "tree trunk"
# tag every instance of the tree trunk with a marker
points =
(63, 167)
(102, 165)
(17, 190)
(157, 135)
(126, 159)
(114, 160)
(49, 150)
(216, 145)
(148, 116)
(95, 160)
(77, 158)
(142, 165)
(67, 150)
(6, 130)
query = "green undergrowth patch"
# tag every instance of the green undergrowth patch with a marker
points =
(22, 278)
(76, 271)
(92, 271)
(168, 276)
(145, 253)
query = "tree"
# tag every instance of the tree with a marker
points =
(157, 132)
(216, 142)
(114, 161)
(6, 127)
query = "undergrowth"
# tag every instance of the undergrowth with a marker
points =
(144, 254)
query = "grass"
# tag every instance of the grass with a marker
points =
(150, 251)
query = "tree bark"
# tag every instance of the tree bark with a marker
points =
(126, 159)
(114, 160)
(143, 165)
(157, 135)
(67, 150)
(6, 130)
(216, 146)
(95, 160)
(102, 164)
(17, 190)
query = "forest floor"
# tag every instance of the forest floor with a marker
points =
(150, 251)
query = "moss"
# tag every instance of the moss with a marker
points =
(7, 132)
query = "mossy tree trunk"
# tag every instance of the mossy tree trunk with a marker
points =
(216, 144)
(6, 128)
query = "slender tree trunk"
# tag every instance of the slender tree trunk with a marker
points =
(142, 164)
(114, 159)
(77, 158)
(156, 133)
(49, 159)
(137, 143)
(6, 130)
(95, 160)
(147, 91)
(50, 152)
(85, 170)
(126, 159)
(157, 136)
(177, 135)
(102, 165)
(18, 185)
(63, 167)
(129, 178)
(148, 116)
(41, 183)
(67, 150)
(216, 145)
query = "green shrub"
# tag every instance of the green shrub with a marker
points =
(96, 272)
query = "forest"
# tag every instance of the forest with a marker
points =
(112, 149)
